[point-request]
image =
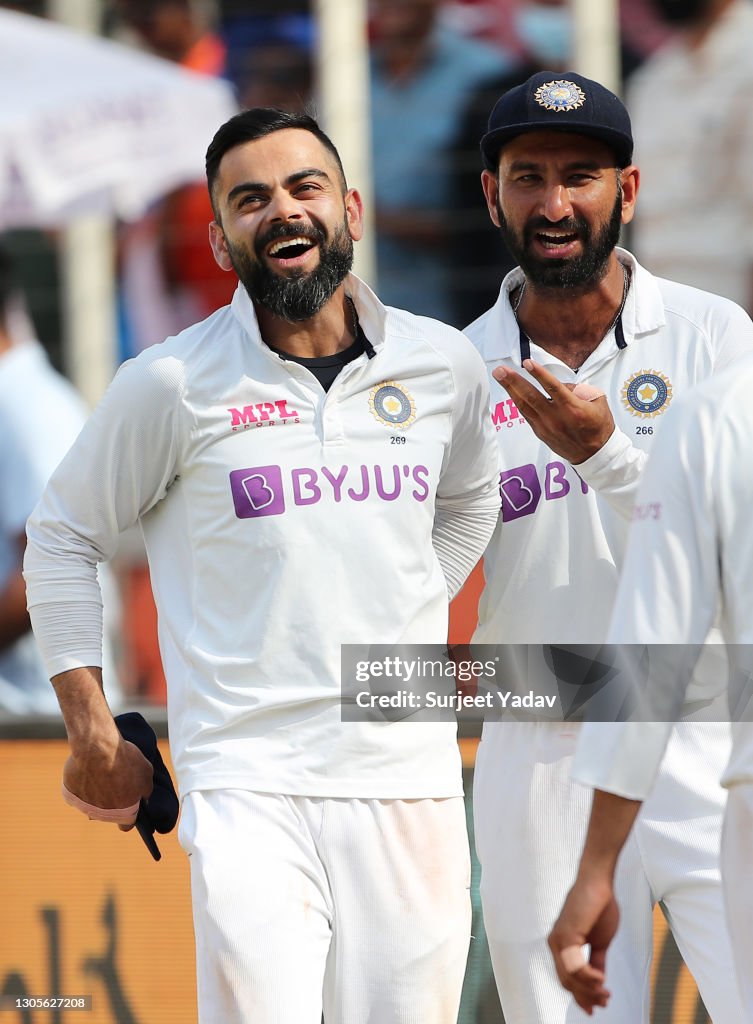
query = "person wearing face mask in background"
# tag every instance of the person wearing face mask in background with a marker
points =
(545, 33)
(693, 125)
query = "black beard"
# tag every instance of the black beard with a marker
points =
(579, 272)
(300, 295)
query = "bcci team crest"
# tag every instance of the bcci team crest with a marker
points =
(560, 95)
(647, 393)
(392, 405)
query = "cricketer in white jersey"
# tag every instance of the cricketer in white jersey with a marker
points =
(690, 554)
(552, 566)
(329, 860)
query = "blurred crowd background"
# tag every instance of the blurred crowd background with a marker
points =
(436, 69)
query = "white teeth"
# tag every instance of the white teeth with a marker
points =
(555, 241)
(287, 242)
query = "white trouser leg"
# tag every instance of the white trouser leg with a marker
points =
(530, 823)
(362, 906)
(679, 833)
(737, 862)
(399, 872)
(260, 905)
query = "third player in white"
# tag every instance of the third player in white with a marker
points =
(560, 182)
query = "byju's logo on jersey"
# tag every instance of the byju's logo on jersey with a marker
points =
(260, 491)
(521, 489)
(263, 414)
(392, 405)
(257, 492)
(647, 393)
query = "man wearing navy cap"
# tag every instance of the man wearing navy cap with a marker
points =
(586, 351)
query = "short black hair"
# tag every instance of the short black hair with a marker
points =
(257, 123)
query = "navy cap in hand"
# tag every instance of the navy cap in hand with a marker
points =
(566, 103)
(159, 812)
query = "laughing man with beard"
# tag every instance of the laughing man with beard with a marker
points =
(309, 468)
(585, 351)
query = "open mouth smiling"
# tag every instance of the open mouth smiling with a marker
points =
(555, 240)
(285, 249)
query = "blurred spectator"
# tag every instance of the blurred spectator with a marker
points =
(545, 36)
(176, 30)
(693, 126)
(641, 26)
(277, 75)
(422, 76)
(40, 417)
(169, 276)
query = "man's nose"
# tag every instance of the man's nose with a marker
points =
(556, 203)
(284, 207)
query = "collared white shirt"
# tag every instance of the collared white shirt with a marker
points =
(690, 550)
(280, 522)
(553, 562)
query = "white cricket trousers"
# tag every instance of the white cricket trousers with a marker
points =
(737, 882)
(357, 908)
(530, 826)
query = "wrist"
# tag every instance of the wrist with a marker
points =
(92, 739)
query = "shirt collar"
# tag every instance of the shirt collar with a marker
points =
(372, 315)
(500, 335)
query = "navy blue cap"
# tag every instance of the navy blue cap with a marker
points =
(159, 812)
(565, 103)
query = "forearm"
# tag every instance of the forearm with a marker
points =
(612, 818)
(88, 720)
(104, 770)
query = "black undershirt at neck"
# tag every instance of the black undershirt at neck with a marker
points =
(326, 368)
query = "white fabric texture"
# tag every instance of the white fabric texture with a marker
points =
(551, 577)
(737, 856)
(695, 547)
(280, 522)
(529, 839)
(357, 907)
(690, 551)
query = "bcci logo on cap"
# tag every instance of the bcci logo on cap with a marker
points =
(560, 95)
(647, 393)
(392, 405)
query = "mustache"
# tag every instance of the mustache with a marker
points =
(277, 231)
(572, 225)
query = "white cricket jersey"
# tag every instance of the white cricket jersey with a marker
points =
(691, 543)
(280, 522)
(552, 565)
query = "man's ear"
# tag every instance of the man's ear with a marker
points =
(354, 214)
(219, 246)
(630, 179)
(490, 185)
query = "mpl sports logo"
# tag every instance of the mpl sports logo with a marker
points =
(506, 414)
(263, 414)
(262, 490)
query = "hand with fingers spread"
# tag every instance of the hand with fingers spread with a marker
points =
(572, 421)
(589, 917)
